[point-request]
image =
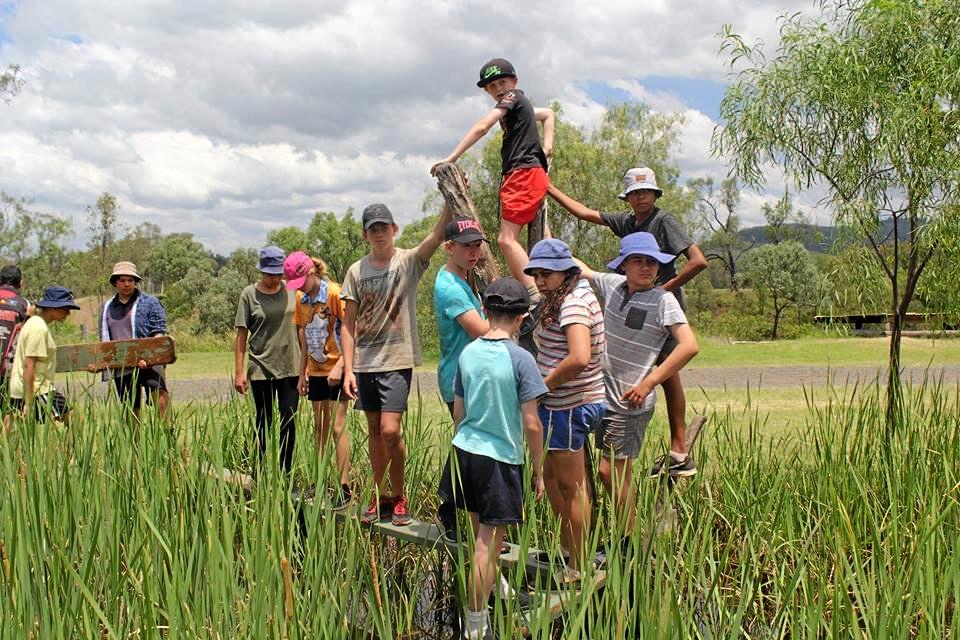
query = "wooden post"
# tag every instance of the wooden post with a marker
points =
(452, 183)
(536, 230)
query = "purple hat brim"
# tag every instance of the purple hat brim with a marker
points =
(662, 258)
(551, 264)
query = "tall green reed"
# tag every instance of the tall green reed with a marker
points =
(843, 528)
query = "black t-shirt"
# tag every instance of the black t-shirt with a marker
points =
(664, 227)
(521, 140)
(13, 311)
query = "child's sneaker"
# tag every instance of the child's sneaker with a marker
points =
(400, 516)
(682, 469)
(377, 510)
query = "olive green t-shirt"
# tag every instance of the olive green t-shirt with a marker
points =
(272, 345)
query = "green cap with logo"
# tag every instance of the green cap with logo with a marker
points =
(496, 68)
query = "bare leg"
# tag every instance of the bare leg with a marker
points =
(483, 570)
(510, 245)
(396, 453)
(376, 448)
(617, 478)
(569, 475)
(676, 412)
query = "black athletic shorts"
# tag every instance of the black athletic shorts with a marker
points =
(490, 488)
(384, 390)
(128, 385)
(53, 404)
(320, 389)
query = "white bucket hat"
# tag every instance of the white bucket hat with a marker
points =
(639, 178)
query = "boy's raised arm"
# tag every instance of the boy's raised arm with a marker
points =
(546, 116)
(477, 131)
(428, 246)
(578, 209)
(586, 273)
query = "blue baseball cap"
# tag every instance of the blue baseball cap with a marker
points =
(640, 243)
(550, 254)
(271, 260)
(57, 297)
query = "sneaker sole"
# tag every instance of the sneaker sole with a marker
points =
(686, 473)
(400, 522)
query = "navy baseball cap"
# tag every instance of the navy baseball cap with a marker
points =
(463, 230)
(506, 294)
(374, 213)
(640, 243)
(271, 260)
(496, 68)
(551, 254)
(57, 297)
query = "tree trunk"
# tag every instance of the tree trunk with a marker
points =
(894, 389)
(453, 186)
(535, 230)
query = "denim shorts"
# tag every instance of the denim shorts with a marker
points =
(566, 429)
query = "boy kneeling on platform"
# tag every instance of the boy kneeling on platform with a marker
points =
(495, 408)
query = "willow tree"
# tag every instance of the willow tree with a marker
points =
(862, 101)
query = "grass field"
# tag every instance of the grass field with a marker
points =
(811, 518)
(834, 352)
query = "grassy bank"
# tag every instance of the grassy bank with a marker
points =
(844, 527)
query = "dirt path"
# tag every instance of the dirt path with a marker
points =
(209, 389)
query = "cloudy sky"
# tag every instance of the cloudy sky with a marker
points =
(226, 119)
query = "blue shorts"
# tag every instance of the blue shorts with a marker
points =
(566, 429)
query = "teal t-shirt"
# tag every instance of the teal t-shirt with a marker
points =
(495, 378)
(452, 297)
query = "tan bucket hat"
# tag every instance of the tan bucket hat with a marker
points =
(124, 269)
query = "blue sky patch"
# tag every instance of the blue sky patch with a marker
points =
(7, 11)
(69, 37)
(699, 94)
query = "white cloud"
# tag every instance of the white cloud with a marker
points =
(228, 119)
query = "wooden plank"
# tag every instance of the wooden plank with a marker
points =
(117, 354)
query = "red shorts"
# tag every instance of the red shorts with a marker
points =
(522, 193)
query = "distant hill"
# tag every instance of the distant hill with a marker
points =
(816, 238)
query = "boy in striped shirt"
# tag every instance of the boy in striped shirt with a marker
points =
(638, 318)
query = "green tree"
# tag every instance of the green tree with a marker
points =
(716, 212)
(289, 239)
(243, 261)
(862, 100)
(786, 274)
(35, 241)
(219, 308)
(10, 82)
(784, 222)
(339, 242)
(170, 259)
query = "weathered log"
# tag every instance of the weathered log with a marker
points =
(452, 183)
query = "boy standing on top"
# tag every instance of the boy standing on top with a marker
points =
(459, 317)
(640, 191)
(524, 159)
(495, 409)
(381, 347)
(639, 317)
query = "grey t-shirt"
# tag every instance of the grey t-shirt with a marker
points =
(636, 326)
(272, 344)
(664, 227)
(386, 331)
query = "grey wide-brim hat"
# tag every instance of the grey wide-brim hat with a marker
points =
(640, 178)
